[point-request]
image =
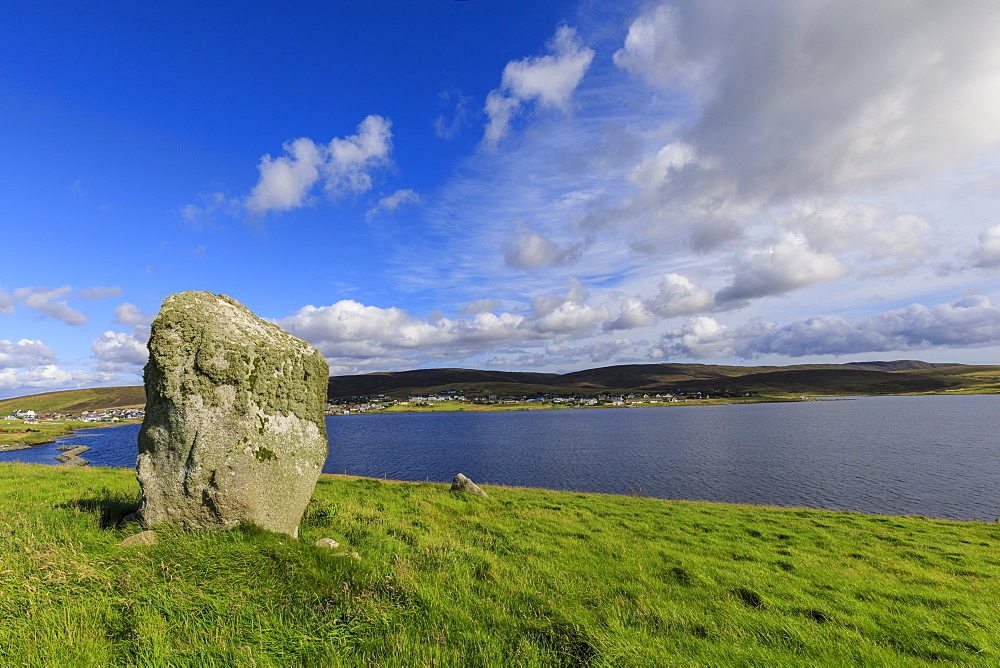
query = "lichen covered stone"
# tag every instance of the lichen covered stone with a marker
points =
(234, 428)
(463, 484)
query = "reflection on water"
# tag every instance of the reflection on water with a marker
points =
(934, 456)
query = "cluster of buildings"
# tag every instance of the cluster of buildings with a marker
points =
(364, 404)
(106, 415)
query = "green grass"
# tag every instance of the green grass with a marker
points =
(527, 577)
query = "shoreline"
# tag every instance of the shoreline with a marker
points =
(69, 432)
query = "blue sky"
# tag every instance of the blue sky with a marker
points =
(495, 184)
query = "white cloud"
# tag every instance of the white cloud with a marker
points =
(970, 322)
(18, 382)
(550, 80)
(285, 181)
(117, 352)
(699, 337)
(46, 302)
(130, 314)
(351, 334)
(393, 202)
(342, 166)
(782, 267)
(679, 296)
(25, 353)
(632, 313)
(988, 253)
(844, 226)
(96, 293)
(527, 249)
(821, 96)
(481, 306)
(6, 302)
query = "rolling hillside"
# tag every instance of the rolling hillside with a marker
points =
(76, 401)
(894, 377)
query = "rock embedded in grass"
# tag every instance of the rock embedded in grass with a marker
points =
(234, 429)
(327, 542)
(463, 484)
(141, 538)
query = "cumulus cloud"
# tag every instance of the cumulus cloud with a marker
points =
(970, 322)
(844, 226)
(632, 313)
(556, 354)
(130, 314)
(46, 302)
(701, 337)
(548, 80)
(679, 296)
(769, 104)
(482, 306)
(782, 267)
(352, 331)
(118, 352)
(827, 95)
(527, 249)
(393, 202)
(96, 293)
(18, 382)
(25, 353)
(988, 253)
(341, 166)
(351, 334)
(6, 302)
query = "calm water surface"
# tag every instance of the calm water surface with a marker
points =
(934, 456)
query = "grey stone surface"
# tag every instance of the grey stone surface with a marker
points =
(141, 538)
(234, 427)
(327, 542)
(463, 484)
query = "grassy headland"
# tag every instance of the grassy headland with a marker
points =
(527, 577)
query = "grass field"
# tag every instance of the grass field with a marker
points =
(527, 577)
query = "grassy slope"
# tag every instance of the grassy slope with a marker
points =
(527, 577)
(75, 401)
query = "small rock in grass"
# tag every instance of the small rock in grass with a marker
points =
(351, 555)
(142, 538)
(327, 542)
(463, 484)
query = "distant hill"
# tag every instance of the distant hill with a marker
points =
(877, 377)
(893, 377)
(77, 401)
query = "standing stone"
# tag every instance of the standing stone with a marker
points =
(234, 427)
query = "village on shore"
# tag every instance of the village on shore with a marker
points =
(105, 415)
(471, 400)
